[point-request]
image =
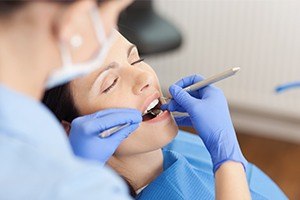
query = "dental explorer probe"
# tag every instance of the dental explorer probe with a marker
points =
(194, 87)
(208, 81)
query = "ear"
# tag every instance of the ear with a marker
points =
(67, 126)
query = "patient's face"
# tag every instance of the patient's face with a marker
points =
(127, 82)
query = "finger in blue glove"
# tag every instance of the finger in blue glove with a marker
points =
(84, 132)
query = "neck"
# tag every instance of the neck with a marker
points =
(139, 169)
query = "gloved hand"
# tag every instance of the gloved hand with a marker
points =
(84, 132)
(209, 115)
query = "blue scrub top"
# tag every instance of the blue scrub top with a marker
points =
(188, 174)
(37, 161)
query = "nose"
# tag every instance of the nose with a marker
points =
(142, 81)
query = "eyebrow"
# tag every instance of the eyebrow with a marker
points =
(113, 64)
(110, 66)
(132, 46)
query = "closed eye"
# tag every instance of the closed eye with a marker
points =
(138, 61)
(111, 86)
(116, 80)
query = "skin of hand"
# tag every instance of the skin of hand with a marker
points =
(231, 182)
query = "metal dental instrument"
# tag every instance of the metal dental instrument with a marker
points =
(190, 88)
(112, 130)
(208, 81)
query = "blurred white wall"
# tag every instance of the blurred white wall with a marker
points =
(261, 37)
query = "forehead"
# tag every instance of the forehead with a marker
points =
(118, 49)
(117, 53)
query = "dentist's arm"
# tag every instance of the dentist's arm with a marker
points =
(84, 133)
(237, 188)
(209, 115)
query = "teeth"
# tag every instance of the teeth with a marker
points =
(152, 105)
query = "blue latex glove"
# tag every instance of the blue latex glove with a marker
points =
(209, 115)
(84, 132)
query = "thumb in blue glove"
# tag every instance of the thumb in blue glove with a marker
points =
(84, 132)
(209, 115)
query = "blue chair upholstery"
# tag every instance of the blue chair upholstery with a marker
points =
(192, 147)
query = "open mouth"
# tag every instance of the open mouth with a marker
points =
(153, 110)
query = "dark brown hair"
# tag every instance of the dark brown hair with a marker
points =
(60, 101)
(10, 6)
(7, 7)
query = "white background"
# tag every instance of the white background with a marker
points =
(261, 37)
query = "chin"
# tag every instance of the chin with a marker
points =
(149, 137)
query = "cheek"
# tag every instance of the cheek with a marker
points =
(147, 138)
(117, 99)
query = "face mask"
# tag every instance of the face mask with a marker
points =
(69, 70)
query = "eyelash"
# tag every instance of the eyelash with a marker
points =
(138, 61)
(116, 80)
(111, 86)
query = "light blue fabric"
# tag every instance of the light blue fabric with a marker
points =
(179, 181)
(37, 161)
(188, 174)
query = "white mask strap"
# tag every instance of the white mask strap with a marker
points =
(65, 55)
(70, 71)
(99, 28)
